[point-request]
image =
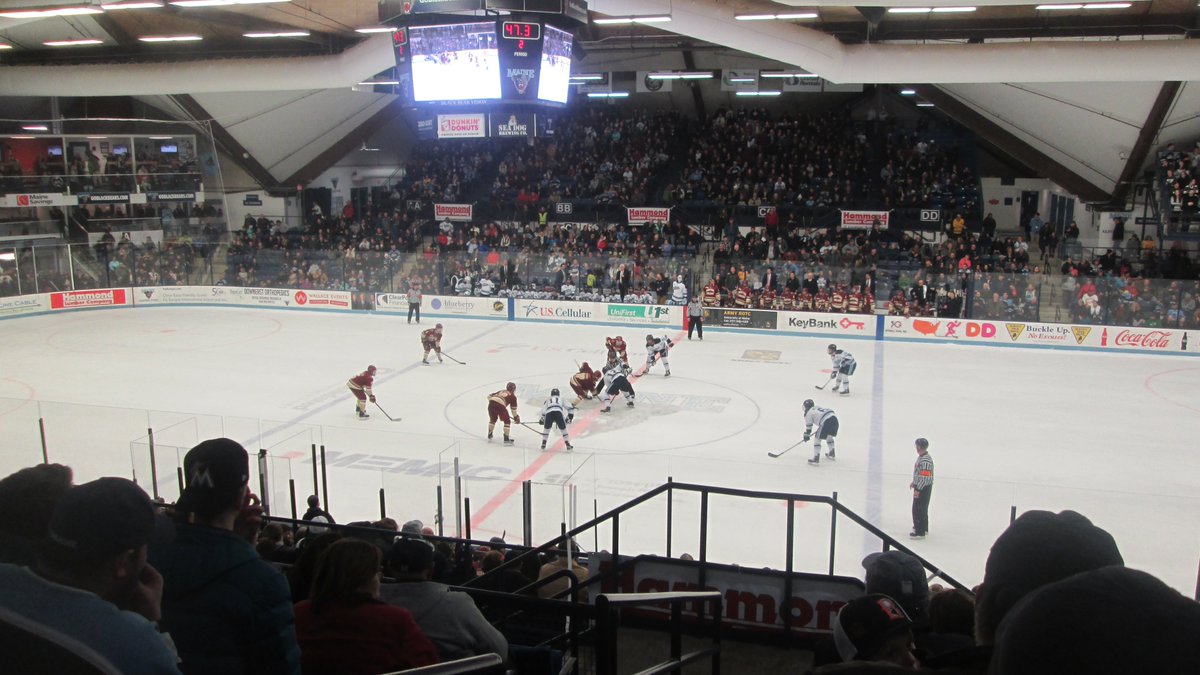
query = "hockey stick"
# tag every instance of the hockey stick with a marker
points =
(784, 451)
(461, 363)
(533, 429)
(822, 387)
(385, 413)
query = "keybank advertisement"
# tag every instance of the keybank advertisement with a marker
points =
(445, 305)
(824, 323)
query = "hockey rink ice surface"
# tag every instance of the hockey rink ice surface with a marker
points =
(1111, 436)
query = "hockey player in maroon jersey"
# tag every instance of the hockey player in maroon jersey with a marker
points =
(498, 405)
(431, 341)
(787, 300)
(712, 294)
(617, 345)
(898, 306)
(586, 383)
(868, 303)
(821, 301)
(837, 299)
(804, 301)
(767, 299)
(360, 386)
(742, 297)
(854, 301)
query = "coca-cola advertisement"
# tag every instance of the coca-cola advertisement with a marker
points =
(1144, 339)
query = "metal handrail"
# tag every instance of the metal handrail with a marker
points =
(607, 624)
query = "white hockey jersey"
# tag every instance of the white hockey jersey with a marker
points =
(843, 360)
(612, 374)
(816, 417)
(659, 346)
(557, 404)
(678, 293)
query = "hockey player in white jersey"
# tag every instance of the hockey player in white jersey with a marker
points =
(553, 412)
(658, 347)
(823, 424)
(616, 381)
(679, 293)
(843, 367)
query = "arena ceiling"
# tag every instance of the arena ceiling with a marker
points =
(1079, 95)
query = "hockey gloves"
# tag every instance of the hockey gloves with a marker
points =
(807, 435)
(542, 421)
(570, 418)
(372, 399)
(517, 419)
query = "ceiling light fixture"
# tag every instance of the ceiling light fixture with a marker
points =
(73, 43)
(8, 256)
(161, 138)
(741, 80)
(754, 17)
(170, 38)
(680, 75)
(281, 34)
(908, 92)
(952, 10)
(44, 13)
(383, 83)
(785, 74)
(22, 138)
(5, 46)
(909, 10)
(924, 104)
(608, 94)
(758, 93)
(618, 20)
(772, 17)
(96, 138)
(376, 29)
(587, 77)
(147, 4)
(1044, 8)
(35, 127)
(1108, 5)
(201, 3)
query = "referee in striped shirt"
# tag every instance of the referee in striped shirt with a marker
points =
(922, 487)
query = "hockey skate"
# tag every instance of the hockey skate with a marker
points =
(815, 460)
(668, 374)
(543, 446)
(362, 415)
(832, 456)
(489, 437)
(568, 446)
(629, 403)
(607, 408)
(426, 362)
(845, 392)
(508, 441)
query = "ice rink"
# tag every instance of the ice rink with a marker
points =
(1112, 436)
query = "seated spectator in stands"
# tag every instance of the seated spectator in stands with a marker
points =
(559, 560)
(874, 628)
(91, 589)
(1108, 621)
(28, 498)
(228, 611)
(310, 547)
(951, 623)
(901, 577)
(274, 544)
(344, 628)
(449, 618)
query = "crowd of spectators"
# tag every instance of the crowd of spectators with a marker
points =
(919, 172)
(97, 577)
(1180, 171)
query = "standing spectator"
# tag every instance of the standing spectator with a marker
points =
(91, 590)
(958, 226)
(769, 282)
(228, 611)
(922, 487)
(679, 291)
(1035, 227)
(448, 618)
(921, 294)
(314, 510)
(344, 627)
(32, 493)
(695, 314)
(989, 226)
(661, 288)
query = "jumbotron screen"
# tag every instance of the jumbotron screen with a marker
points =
(459, 62)
(556, 66)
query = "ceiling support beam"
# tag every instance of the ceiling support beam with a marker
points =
(226, 142)
(346, 144)
(1007, 142)
(689, 62)
(1141, 148)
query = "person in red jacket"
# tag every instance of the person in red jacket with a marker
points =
(344, 628)
(360, 386)
(498, 405)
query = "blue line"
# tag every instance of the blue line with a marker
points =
(874, 506)
(300, 418)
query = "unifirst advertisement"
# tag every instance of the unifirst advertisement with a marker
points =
(1030, 333)
(820, 323)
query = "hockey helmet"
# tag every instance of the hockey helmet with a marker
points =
(511, 386)
(619, 339)
(554, 392)
(808, 404)
(922, 443)
(585, 368)
(649, 337)
(438, 327)
(371, 369)
(832, 348)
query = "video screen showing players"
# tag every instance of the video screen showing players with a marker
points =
(454, 63)
(556, 65)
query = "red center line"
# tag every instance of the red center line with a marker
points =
(479, 517)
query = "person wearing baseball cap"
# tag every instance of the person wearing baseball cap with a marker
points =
(228, 611)
(874, 628)
(91, 590)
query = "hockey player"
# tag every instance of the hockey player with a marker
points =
(586, 383)
(658, 347)
(498, 405)
(616, 381)
(431, 341)
(360, 386)
(712, 294)
(837, 299)
(552, 414)
(617, 345)
(823, 423)
(843, 367)
(679, 292)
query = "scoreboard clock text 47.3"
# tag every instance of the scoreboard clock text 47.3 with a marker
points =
(522, 30)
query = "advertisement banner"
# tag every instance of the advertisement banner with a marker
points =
(559, 310)
(179, 196)
(38, 199)
(1034, 333)
(729, 317)
(752, 599)
(823, 323)
(452, 211)
(511, 125)
(862, 220)
(286, 297)
(445, 305)
(470, 125)
(100, 297)
(645, 85)
(103, 197)
(426, 131)
(183, 295)
(23, 304)
(651, 315)
(648, 214)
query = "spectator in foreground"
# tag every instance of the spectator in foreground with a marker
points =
(345, 629)
(228, 611)
(449, 618)
(91, 583)
(874, 628)
(28, 498)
